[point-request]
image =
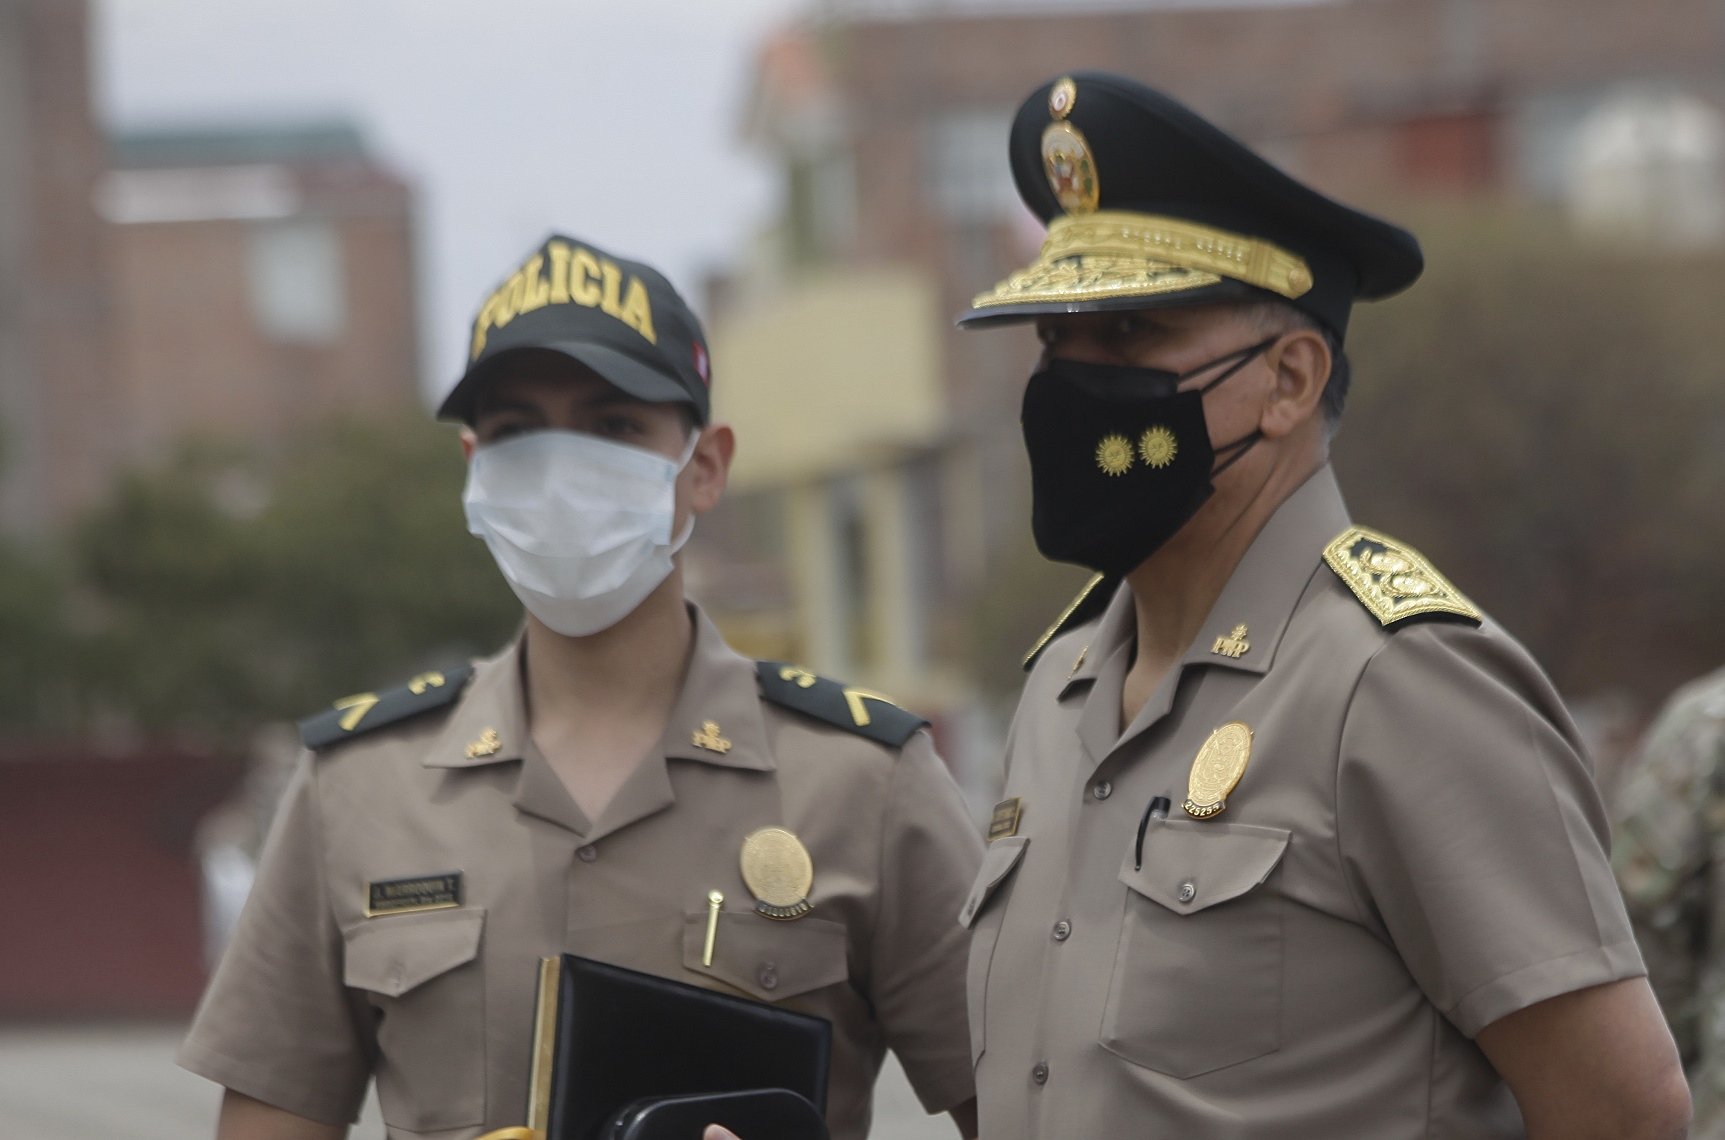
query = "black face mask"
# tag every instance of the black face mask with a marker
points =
(1119, 459)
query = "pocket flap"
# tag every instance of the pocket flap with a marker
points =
(1190, 865)
(392, 955)
(767, 959)
(997, 863)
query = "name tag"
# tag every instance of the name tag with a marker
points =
(1004, 821)
(422, 892)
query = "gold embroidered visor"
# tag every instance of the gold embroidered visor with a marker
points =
(1119, 255)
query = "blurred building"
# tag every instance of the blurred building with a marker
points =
(262, 277)
(234, 281)
(879, 462)
(59, 416)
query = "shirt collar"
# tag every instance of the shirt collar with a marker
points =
(489, 724)
(717, 718)
(1267, 584)
(1260, 594)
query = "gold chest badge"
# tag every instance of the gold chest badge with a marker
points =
(1216, 769)
(778, 872)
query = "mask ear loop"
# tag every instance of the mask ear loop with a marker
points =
(682, 538)
(1244, 444)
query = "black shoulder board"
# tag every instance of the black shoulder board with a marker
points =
(362, 712)
(855, 710)
(1091, 600)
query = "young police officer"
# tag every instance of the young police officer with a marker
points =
(588, 789)
(1298, 844)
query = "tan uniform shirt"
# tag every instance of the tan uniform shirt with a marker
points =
(313, 997)
(1415, 850)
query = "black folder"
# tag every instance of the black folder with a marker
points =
(622, 1038)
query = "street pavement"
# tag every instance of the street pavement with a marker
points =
(120, 1083)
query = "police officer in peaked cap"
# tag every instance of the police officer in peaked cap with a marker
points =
(616, 783)
(1297, 843)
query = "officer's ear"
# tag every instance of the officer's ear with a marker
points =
(469, 441)
(710, 466)
(1301, 361)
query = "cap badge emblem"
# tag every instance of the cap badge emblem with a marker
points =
(1158, 447)
(1114, 455)
(1070, 169)
(1233, 645)
(1217, 769)
(708, 737)
(778, 872)
(1061, 97)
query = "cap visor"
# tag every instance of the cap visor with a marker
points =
(617, 368)
(1144, 289)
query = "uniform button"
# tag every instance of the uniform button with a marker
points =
(769, 976)
(1062, 930)
(1188, 892)
(1040, 1073)
(587, 854)
(1102, 789)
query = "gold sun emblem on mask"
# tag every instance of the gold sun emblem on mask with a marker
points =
(1114, 455)
(1158, 446)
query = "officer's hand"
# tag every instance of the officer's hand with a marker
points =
(718, 1132)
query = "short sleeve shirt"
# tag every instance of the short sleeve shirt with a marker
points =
(314, 996)
(1414, 850)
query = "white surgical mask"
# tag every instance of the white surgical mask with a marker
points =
(579, 525)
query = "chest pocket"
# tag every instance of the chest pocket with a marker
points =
(766, 959)
(1197, 982)
(984, 921)
(423, 976)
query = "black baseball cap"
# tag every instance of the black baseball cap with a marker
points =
(620, 318)
(1147, 204)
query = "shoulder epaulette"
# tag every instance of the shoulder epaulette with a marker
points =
(855, 710)
(1091, 600)
(1393, 581)
(361, 713)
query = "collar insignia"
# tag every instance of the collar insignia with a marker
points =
(487, 744)
(1234, 645)
(708, 737)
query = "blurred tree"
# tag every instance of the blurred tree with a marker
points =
(1546, 420)
(226, 590)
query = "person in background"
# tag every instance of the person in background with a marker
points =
(1670, 843)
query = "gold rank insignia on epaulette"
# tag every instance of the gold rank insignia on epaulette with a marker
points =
(855, 710)
(1091, 600)
(1393, 581)
(362, 712)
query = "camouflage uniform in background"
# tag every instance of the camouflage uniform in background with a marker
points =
(1670, 859)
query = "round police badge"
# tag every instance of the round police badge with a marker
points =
(778, 872)
(1216, 769)
(1070, 169)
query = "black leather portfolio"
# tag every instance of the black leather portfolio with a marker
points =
(624, 1040)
